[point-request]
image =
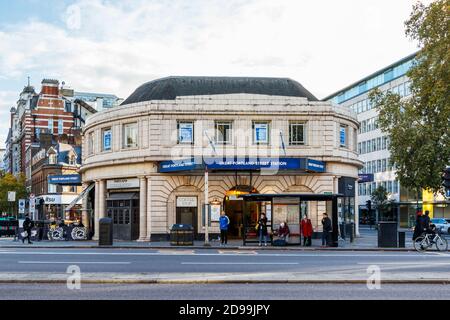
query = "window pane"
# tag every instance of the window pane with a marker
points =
(261, 132)
(130, 135)
(223, 132)
(186, 132)
(296, 134)
(106, 139)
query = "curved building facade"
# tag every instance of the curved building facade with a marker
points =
(148, 158)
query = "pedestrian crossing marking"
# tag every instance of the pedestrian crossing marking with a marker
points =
(175, 252)
(238, 252)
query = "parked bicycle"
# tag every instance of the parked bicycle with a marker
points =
(427, 240)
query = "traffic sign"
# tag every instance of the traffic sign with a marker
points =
(11, 196)
(22, 206)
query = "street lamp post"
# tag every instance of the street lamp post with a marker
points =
(206, 207)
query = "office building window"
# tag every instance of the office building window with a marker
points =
(296, 133)
(50, 125)
(359, 148)
(224, 132)
(395, 186)
(185, 132)
(261, 132)
(51, 188)
(60, 126)
(389, 187)
(106, 138)
(130, 135)
(52, 158)
(383, 165)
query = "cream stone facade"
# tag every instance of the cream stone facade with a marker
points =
(157, 121)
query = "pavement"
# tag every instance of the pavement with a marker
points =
(220, 292)
(367, 241)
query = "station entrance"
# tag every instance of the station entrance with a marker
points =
(240, 212)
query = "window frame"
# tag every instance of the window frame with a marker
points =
(230, 130)
(192, 123)
(293, 124)
(125, 144)
(255, 140)
(104, 130)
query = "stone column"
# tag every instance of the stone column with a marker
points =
(84, 206)
(149, 209)
(142, 209)
(102, 199)
(357, 208)
(96, 210)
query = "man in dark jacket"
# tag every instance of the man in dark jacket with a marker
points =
(28, 225)
(326, 223)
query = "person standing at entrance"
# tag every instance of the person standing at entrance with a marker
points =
(262, 229)
(326, 223)
(307, 231)
(224, 222)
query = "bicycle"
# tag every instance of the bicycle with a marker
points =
(426, 241)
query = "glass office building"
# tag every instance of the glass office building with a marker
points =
(99, 101)
(373, 144)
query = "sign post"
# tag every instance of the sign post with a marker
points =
(11, 200)
(32, 208)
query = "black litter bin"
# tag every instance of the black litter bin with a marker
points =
(349, 231)
(387, 234)
(401, 239)
(182, 235)
(106, 232)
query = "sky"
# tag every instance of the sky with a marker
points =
(114, 46)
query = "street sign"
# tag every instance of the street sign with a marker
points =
(22, 206)
(11, 196)
(32, 206)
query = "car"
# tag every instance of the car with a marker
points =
(442, 224)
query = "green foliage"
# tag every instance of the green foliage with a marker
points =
(8, 182)
(419, 126)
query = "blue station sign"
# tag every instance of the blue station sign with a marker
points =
(65, 180)
(244, 164)
(366, 177)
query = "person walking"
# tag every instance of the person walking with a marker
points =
(28, 225)
(224, 222)
(307, 231)
(326, 223)
(262, 229)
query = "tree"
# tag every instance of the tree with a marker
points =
(8, 182)
(419, 126)
(380, 200)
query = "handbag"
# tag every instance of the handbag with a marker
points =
(257, 227)
(24, 234)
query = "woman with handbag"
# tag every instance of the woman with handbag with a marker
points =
(262, 229)
(307, 231)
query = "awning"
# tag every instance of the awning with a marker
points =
(123, 196)
(80, 196)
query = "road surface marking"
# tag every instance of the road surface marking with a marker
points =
(240, 263)
(71, 262)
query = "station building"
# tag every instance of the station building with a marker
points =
(145, 163)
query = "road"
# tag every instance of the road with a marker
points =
(195, 261)
(223, 266)
(223, 292)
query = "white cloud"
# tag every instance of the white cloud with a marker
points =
(118, 45)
